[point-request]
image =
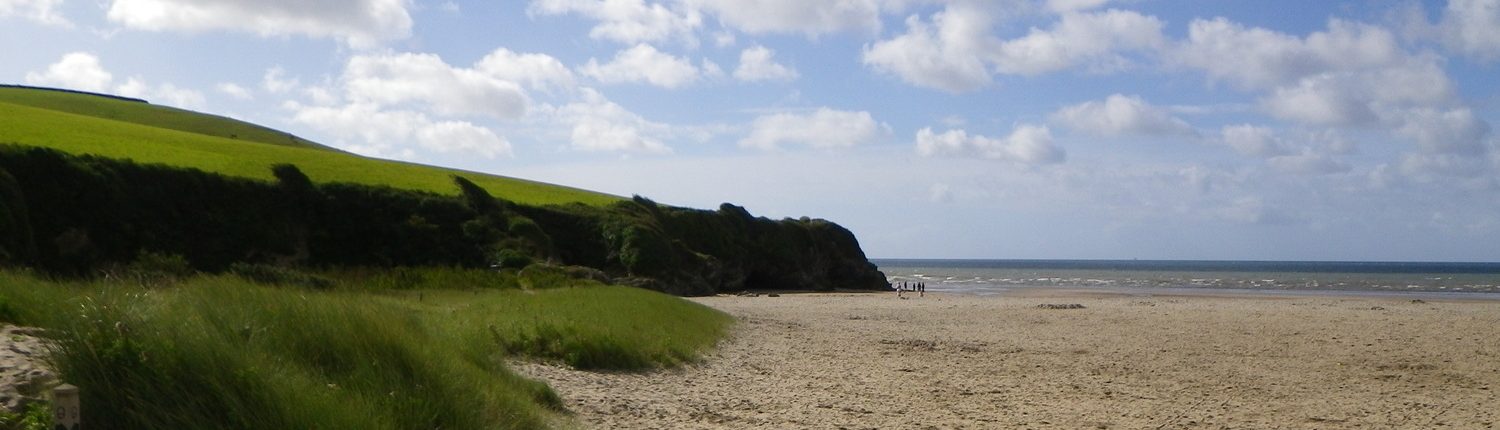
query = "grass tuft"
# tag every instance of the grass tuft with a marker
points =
(224, 352)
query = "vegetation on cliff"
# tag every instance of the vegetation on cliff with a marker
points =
(80, 215)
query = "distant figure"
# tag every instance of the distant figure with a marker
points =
(921, 289)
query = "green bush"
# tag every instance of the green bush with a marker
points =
(37, 416)
(275, 275)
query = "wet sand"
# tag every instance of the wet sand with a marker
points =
(866, 361)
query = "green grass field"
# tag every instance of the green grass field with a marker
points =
(220, 352)
(151, 134)
(150, 115)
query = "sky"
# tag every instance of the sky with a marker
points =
(1029, 129)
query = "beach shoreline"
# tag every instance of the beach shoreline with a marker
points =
(871, 360)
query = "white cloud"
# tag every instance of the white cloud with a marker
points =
(1472, 27)
(626, 21)
(643, 63)
(757, 63)
(275, 81)
(393, 79)
(1091, 39)
(166, 94)
(535, 71)
(724, 39)
(811, 18)
(360, 23)
(460, 136)
(1308, 163)
(946, 54)
(599, 125)
(825, 128)
(1027, 144)
(1261, 58)
(1254, 141)
(1321, 100)
(1456, 131)
(1062, 6)
(1120, 115)
(76, 70)
(940, 193)
(955, 52)
(383, 132)
(82, 71)
(42, 11)
(235, 90)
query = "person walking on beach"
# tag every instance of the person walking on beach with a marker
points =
(921, 289)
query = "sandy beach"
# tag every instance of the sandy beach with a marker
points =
(867, 361)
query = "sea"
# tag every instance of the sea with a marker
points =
(989, 277)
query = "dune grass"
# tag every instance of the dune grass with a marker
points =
(221, 352)
(85, 134)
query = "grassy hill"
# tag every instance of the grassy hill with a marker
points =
(120, 128)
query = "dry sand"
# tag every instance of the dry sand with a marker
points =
(862, 361)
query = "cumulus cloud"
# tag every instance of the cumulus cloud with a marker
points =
(1093, 39)
(1121, 115)
(599, 125)
(42, 11)
(1027, 144)
(83, 71)
(1061, 6)
(1472, 27)
(1260, 58)
(165, 93)
(389, 104)
(379, 131)
(955, 51)
(535, 71)
(825, 128)
(1255, 141)
(644, 64)
(626, 21)
(76, 70)
(360, 23)
(1349, 75)
(1456, 131)
(392, 79)
(811, 18)
(946, 54)
(276, 81)
(1321, 100)
(235, 90)
(1308, 162)
(757, 63)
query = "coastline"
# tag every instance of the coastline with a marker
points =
(1137, 360)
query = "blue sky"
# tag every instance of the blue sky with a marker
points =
(1281, 130)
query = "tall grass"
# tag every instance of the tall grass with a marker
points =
(221, 352)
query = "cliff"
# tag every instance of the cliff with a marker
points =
(77, 214)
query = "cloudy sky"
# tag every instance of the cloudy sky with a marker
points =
(1267, 129)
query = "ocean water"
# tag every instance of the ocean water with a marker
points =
(996, 276)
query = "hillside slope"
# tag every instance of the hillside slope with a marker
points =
(146, 133)
(141, 112)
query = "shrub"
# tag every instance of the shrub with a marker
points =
(151, 268)
(275, 275)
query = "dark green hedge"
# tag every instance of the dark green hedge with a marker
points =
(69, 214)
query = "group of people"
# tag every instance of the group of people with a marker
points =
(919, 287)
